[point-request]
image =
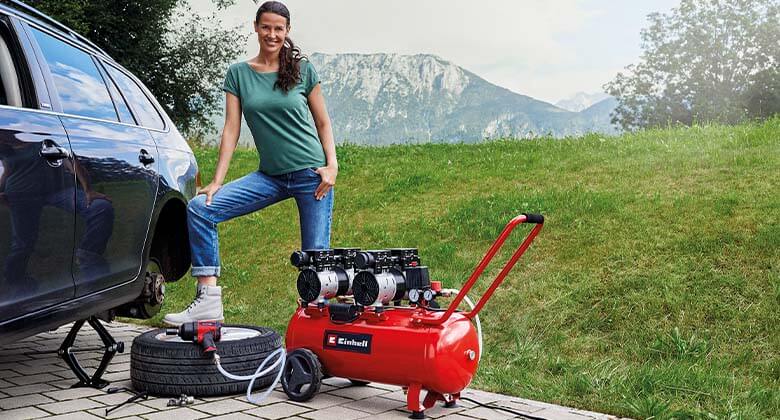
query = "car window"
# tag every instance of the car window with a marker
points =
(121, 106)
(10, 91)
(142, 107)
(80, 87)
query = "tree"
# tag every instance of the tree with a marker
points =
(179, 55)
(762, 99)
(707, 60)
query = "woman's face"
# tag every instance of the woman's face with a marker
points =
(271, 31)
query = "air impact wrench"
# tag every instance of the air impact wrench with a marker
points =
(204, 333)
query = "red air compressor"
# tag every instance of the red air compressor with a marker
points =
(419, 346)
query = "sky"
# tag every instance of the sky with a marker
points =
(546, 49)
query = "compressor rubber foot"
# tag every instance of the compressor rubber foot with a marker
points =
(417, 415)
(451, 404)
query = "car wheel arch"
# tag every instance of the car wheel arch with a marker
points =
(169, 238)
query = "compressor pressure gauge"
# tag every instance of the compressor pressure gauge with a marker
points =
(414, 296)
(428, 295)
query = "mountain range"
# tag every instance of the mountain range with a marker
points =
(581, 101)
(382, 99)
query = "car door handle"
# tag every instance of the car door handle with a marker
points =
(51, 151)
(145, 157)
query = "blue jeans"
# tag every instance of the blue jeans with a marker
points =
(251, 193)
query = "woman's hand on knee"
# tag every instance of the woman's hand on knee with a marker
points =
(328, 175)
(209, 191)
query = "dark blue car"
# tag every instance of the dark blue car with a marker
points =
(94, 181)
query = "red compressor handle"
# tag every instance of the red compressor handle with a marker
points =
(538, 219)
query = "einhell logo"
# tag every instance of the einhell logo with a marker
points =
(337, 340)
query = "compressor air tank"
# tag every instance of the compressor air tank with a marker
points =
(393, 350)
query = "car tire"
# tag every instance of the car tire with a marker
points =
(167, 366)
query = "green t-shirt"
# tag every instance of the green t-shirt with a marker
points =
(281, 123)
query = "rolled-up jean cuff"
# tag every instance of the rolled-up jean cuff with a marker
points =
(205, 271)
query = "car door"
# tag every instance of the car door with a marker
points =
(37, 186)
(116, 177)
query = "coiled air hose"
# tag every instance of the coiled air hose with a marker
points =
(282, 352)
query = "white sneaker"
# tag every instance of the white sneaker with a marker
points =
(207, 306)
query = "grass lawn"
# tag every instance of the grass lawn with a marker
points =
(653, 289)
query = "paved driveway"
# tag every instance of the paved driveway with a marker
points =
(35, 383)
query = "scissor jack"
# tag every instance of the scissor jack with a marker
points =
(110, 348)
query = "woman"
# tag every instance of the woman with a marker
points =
(276, 91)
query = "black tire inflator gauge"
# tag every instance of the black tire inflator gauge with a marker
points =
(204, 333)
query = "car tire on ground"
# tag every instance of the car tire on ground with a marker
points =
(167, 366)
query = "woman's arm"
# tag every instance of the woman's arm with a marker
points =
(329, 172)
(227, 145)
